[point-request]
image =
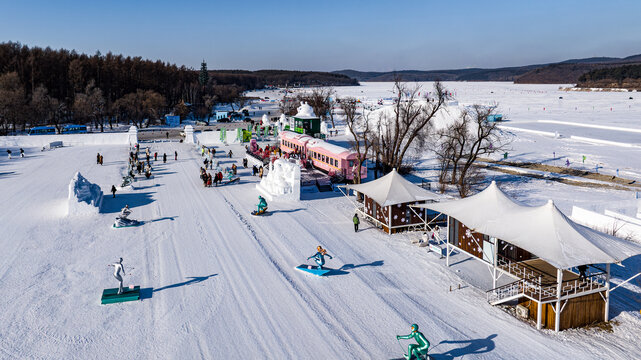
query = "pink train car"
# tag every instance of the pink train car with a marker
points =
(330, 158)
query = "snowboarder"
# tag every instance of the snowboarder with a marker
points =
(9, 153)
(415, 349)
(319, 257)
(113, 190)
(164, 158)
(175, 155)
(118, 268)
(262, 205)
(356, 222)
(21, 152)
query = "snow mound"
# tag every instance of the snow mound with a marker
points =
(84, 198)
(282, 182)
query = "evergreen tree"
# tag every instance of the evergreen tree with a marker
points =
(204, 75)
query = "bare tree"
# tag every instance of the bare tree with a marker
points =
(288, 104)
(361, 129)
(406, 127)
(141, 105)
(91, 105)
(43, 106)
(11, 101)
(462, 142)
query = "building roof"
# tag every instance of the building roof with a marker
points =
(393, 189)
(542, 230)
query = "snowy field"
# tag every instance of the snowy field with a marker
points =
(219, 283)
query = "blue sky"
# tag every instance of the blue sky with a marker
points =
(331, 35)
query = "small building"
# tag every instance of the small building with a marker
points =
(386, 203)
(306, 122)
(561, 269)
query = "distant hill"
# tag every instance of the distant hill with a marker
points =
(623, 77)
(280, 78)
(565, 72)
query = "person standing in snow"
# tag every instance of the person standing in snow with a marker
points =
(421, 346)
(113, 190)
(9, 154)
(155, 156)
(175, 155)
(356, 222)
(118, 269)
(21, 152)
(230, 153)
(319, 257)
(164, 158)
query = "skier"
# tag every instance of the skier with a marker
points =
(356, 222)
(262, 205)
(164, 158)
(415, 349)
(118, 268)
(319, 257)
(113, 190)
(21, 152)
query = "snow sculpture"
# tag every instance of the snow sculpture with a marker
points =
(189, 135)
(305, 111)
(265, 120)
(84, 197)
(282, 182)
(282, 122)
(132, 135)
(324, 128)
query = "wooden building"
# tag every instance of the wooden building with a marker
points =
(560, 269)
(386, 203)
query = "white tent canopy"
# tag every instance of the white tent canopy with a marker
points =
(393, 189)
(542, 230)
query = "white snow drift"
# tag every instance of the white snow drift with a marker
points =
(84, 198)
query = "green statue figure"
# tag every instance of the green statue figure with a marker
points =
(418, 349)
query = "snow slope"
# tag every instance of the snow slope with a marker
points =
(219, 283)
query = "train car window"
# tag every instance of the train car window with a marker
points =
(351, 163)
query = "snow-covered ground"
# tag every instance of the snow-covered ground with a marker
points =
(220, 283)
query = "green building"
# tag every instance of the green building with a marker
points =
(306, 122)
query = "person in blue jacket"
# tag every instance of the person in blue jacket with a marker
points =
(319, 257)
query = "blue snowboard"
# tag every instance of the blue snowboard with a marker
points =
(313, 269)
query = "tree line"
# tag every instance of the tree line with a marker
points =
(627, 76)
(43, 86)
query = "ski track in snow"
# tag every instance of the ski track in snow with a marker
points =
(224, 283)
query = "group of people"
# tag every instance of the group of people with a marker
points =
(99, 159)
(209, 179)
(257, 171)
(9, 153)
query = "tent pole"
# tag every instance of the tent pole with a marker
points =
(496, 246)
(447, 242)
(539, 310)
(607, 292)
(557, 315)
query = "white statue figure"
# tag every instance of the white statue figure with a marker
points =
(125, 212)
(119, 268)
